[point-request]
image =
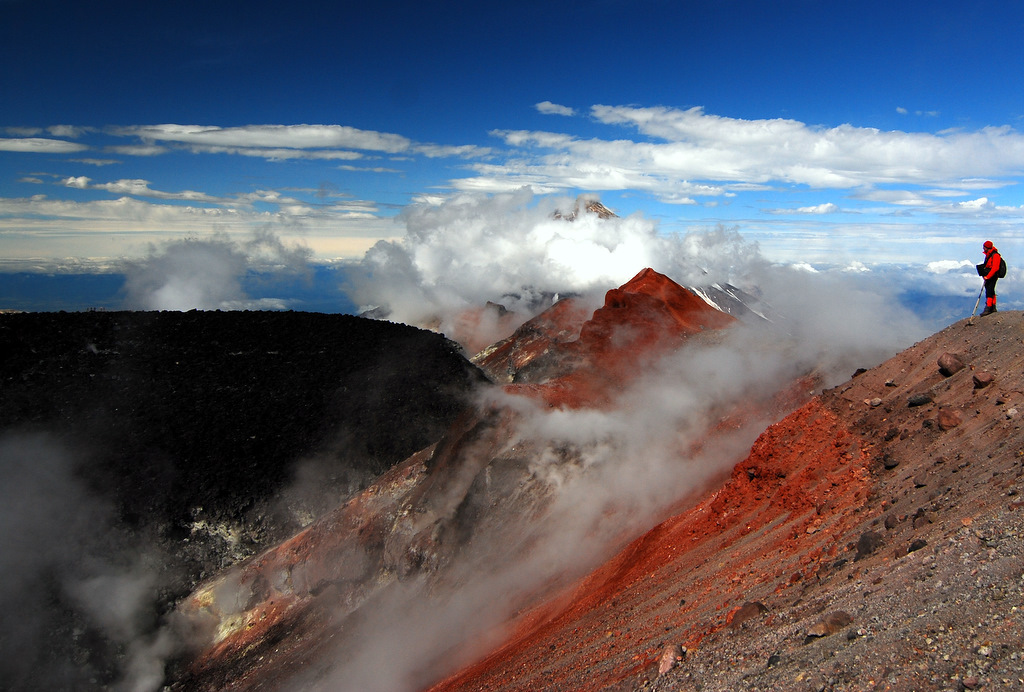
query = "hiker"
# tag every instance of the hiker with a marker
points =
(990, 271)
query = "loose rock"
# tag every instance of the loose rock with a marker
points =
(868, 543)
(748, 611)
(950, 364)
(830, 624)
(983, 379)
(670, 658)
(949, 418)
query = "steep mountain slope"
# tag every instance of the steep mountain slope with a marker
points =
(873, 539)
(296, 614)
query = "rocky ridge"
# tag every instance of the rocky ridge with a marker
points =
(873, 539)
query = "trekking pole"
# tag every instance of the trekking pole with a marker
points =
(976, 304)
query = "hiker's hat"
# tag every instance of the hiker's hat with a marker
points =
(987, 245)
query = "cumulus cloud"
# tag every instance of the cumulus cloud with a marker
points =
(980, 204)
(827, 208)
(513, 249)
(549, 108)
(208, 274)
(71, 131)
(508, 248)
(680, 157)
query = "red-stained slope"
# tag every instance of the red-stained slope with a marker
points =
(638, 322)
(767, 529)
(873, 533)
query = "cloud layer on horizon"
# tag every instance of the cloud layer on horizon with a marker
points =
(776, 178)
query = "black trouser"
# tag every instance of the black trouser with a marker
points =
(990, 287)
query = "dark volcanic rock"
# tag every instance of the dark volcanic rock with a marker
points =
(202, 418)
(868, 543)
(919, 400)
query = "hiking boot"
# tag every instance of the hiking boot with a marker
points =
(989, 309)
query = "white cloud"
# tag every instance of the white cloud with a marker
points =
(690, 147)
(70, 131)
(40, 145)
(281, 154)
(285, 142)
(437, 151)
(368, 169)
(96, 162)
(47, 229)
(139, 188)
(827, 208)
(946, 266)
(549, 108)
(510, 248)
(207, 274)
(271, 137)
(974, 205)
(22, 131)
(139, 150)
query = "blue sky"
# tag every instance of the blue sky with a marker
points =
(829, 133)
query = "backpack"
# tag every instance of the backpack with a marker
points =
(999, 274)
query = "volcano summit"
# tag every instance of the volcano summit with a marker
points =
(649, 494)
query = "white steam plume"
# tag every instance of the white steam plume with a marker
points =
(503, 248)
(68, 570)
(607, 474)
(513, 249)
(208, 274)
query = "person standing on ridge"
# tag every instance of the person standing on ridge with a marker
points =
(989, 269)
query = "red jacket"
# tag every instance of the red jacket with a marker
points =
(992, 262)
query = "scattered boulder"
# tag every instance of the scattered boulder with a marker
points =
(868, 543)
(748, 611)
(830, 624)
(923, 517)
(670, 658)
(949, 418)
(917, 544)
(919, 400)
(983, 379)
(950, 364)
